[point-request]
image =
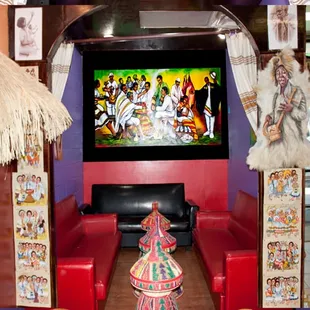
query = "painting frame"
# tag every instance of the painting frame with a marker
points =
(157, 59)
(279, 15)
(32, 32)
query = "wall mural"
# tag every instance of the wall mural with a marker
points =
(283, 97)
(31, 224)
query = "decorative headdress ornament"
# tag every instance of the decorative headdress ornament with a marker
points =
(286, 59)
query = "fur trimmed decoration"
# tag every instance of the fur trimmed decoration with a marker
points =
(27, 107)
(283, 96)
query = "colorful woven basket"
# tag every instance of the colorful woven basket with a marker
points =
(177, 293)
(156, 271)
(150, 220)
(157, 302)
(168, 242)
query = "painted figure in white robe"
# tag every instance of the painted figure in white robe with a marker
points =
(20, 191)
(21, 223)
(27, 45)
(124, 116)
(111, 93)
(176, 92)
(283, 23)
(38, 190)
(164, 116)
(282, 138)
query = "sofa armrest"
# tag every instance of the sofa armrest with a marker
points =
(86, 208)
(212, 219)
(191, 210)
(241, 271)
(74, 275)
(99, 223)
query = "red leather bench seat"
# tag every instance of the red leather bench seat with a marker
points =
(226, 244)
(86, 249)
(104, 251)
(213, 259)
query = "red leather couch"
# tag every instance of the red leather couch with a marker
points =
(226, 245)
(87, 248)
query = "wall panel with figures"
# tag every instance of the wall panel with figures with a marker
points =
(281, 218)
(32, 221)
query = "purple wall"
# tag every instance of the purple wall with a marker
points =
(68, 173)
(239, 176)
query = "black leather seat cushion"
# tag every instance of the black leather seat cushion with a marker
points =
(132, 224)
(136, 199)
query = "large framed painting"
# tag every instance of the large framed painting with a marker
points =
(155, 105)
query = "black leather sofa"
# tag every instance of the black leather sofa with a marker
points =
(133, 203)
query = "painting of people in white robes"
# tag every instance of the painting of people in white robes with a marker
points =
(282, 186)
(33, 290)
(31, 224)
(281, 256)
(30, 189)
(282, 221)
(282, 291)
(32, 256)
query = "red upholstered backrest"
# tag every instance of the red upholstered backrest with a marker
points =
(69, 230)
(243, 222)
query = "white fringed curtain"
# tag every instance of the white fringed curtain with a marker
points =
(244, 66)
(60, 69)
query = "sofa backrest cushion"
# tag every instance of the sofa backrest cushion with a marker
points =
(136, 199)
(243, 222)
(69, 230)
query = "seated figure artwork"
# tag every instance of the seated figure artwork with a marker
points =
(282, 221)
(281, 290)
(32, 256)
(30, 189)
(283, 96)
(33, 290)
(283, 185)
(145, 107)
(282, 255)
(30, 224)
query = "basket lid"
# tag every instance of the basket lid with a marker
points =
(150, 220)
(156, 271)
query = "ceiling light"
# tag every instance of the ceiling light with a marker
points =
(221, 36)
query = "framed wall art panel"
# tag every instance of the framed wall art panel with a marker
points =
(155, 105)
(281, 245)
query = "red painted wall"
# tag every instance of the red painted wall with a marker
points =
(205, 180)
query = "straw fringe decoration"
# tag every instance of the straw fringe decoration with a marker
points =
(26, 107)
(6, 2)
